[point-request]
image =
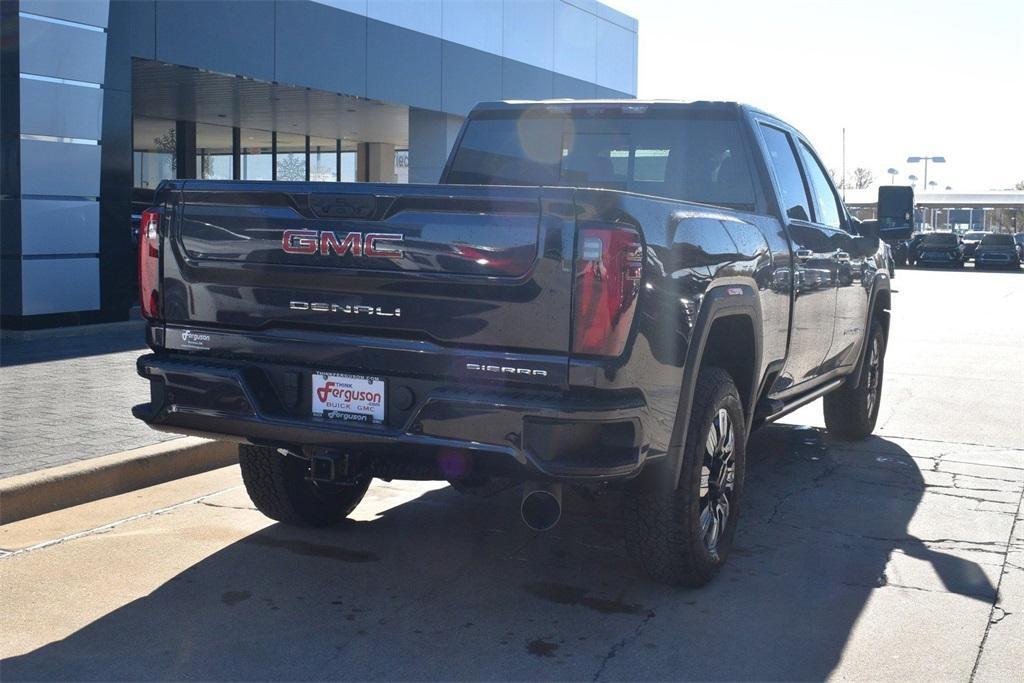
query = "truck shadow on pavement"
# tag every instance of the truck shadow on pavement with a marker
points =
(451, 587)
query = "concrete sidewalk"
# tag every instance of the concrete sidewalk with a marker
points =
(66, 399)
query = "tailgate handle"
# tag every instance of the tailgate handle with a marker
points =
(351, 206)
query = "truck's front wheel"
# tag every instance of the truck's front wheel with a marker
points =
(278, 486)
(852, 412)
(683, 536)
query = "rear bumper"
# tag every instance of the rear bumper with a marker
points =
(938, 261)
(998, 260)
(528, 433)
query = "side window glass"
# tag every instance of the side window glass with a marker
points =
(826, 207)
(787, 172)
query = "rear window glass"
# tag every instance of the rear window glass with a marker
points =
(997, 241)
(690, 155)
(942, 240)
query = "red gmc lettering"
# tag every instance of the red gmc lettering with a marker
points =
(299, 241)
(372, 248)
(373, 245)
(352, 242)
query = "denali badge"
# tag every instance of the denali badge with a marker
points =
(344, 308)
(371, 245)
(506, 370)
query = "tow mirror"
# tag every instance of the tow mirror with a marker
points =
(895, 212)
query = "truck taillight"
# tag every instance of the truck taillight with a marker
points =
(609, 267)
(149, 263)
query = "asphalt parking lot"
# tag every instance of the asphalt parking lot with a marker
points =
(897, 558)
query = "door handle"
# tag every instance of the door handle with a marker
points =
(842, 256)
(804, 254)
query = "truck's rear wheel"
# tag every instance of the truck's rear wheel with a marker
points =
(852, 412)
(683, 536)
(278, 486)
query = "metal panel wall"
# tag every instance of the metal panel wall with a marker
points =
(469, 76)
(529, 32)
(218, 35)
(60, 110)
(58, 226)
(340, 53)
(59, 178)
(75, 289)
(62, 51)
(474, 24)
(402, 66)
(575, 42)
(61, 169)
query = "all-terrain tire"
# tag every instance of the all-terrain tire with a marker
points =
(852, 412)
(278, 487)
(665, 532)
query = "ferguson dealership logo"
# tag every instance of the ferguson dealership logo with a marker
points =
(195, 340)
(371, 245)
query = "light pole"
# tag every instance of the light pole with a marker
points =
(892, 175)
(915, 160)
(913, 180)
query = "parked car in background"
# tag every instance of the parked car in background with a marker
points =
(1018, 239)
(997, 251)
(971, 241)
(938, 249)
(899, 250)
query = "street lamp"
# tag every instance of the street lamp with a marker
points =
(913, 180)
(916, 160)
(892, 175)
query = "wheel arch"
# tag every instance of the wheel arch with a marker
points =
(879, 309)
(728, 333)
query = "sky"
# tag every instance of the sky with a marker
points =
(904, 77)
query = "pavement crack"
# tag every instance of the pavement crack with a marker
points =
(105, 528)
(619, 646)
(816, 482)
(226, 507)
(1002, 613)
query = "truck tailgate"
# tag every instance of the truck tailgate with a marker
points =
(477, 267)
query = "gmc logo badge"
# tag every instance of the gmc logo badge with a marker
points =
(372, 244)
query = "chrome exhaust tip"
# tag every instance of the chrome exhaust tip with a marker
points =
(542, 505)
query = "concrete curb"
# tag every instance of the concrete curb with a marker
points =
(36, 493)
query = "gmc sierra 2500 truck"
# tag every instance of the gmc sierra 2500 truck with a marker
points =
(598, 293)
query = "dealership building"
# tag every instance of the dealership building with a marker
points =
(101, 100)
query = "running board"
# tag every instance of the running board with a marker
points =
(805, 399)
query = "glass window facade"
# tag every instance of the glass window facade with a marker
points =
(401, 166)
(348, 167)
(291, 156)
(154, 148)
(323, 160)
(214, 160)
(257, 155)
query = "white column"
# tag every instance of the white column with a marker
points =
(431, 136)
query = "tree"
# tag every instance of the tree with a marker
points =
(168, 144)
(862, 178)
(1019, 186)
(837, 181)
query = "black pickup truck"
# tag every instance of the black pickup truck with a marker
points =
(598, 293)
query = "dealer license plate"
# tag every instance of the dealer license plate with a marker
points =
(348, 398)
